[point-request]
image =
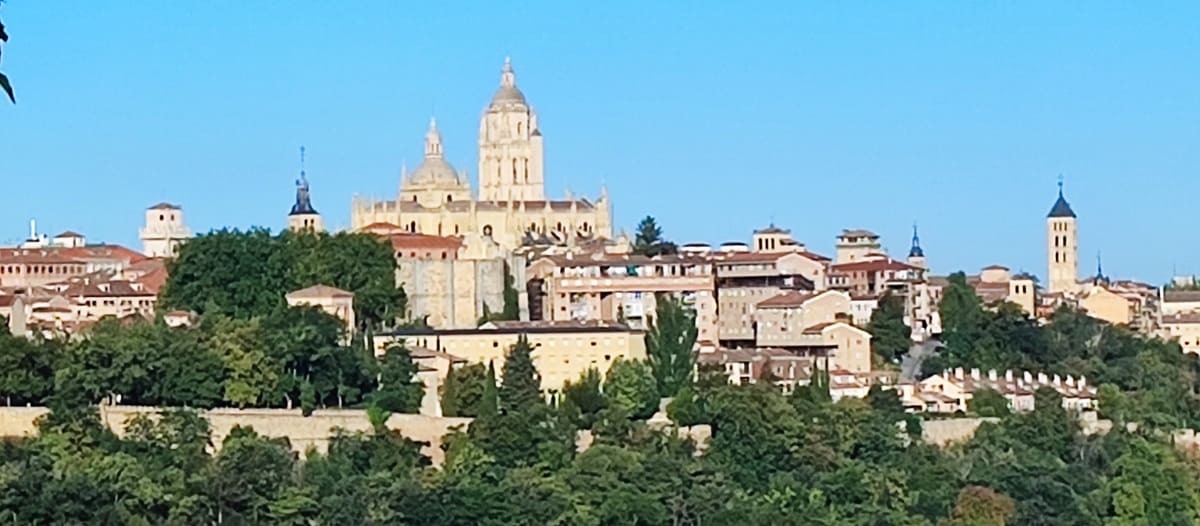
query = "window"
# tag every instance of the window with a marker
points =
(449, 199)
(487, 230)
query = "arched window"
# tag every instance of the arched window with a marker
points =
(487, 230)
(514, 170)
(456, 230)
(558, 227)
(412, 227)
(520, 128)
(439, 229)
(414, 198)
(449, 198)
(533, 227)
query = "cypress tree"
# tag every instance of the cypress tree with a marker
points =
(520, 388)
(487, 403)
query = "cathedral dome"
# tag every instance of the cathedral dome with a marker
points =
(507, 94)
(434, 170)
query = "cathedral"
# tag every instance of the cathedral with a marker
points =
(511, 205)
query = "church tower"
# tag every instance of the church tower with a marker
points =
(1062, 246)
(916, 255)
(510, 146)
(303, 216)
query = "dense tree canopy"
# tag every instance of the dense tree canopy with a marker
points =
(773, 459)
(1150, 377)
(247, 274)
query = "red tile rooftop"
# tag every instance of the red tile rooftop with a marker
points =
(790, 298)
(877, 265)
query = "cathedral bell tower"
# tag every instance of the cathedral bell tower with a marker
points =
(1062, 243)
(510, 146)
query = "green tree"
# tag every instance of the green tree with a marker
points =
(988, 402)
(649, 239)
(463, 391)
(399, 389)
(26, 369)
(521, 386)
(890, 336)
(962, 316)
(669, 345)
(252, 378)
(981, 506)
(583, 400)
(631, 386)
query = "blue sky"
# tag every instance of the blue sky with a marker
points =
(716, 119)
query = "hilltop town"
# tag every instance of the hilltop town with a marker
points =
(513, 332)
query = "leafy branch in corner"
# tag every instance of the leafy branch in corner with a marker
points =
(4, 83)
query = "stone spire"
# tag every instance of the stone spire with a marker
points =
(433, 141)
(508, 79)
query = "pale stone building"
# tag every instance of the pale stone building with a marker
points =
(1062, 242)
(623, 287)
(1180, 302)
(952, 391)
(996, 284)
(334, 301)
(164, 231)
(817, 324)
(747, 276)
(511, 205)
(857, 245)
(452, 281)
(36, 267)
(1184, 328)
(1100, 302)
(562, 351)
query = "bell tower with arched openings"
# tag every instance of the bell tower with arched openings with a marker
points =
(1062, 240)
(510, 146)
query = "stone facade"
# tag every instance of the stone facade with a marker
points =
(452, 281)
(511, 206)
(164, 231)
(563, 351)
(334, 301)
(623, 287)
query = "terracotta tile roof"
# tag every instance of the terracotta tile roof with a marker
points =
(424, 241)
(1185, 318)
(381, 228)
(877, 265)
(603, 259)
(818, 328)
(1181, 296)
(737, 258)
(320, 291)
(789, 298)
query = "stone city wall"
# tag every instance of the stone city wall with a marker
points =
(302, 432)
